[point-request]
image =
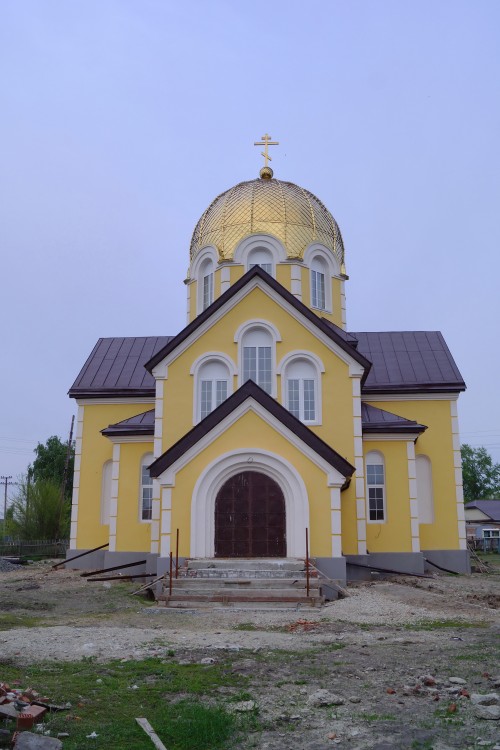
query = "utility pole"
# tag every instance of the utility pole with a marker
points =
(6, 481)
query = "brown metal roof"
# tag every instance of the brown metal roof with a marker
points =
(376, 420)
(251, 390)
(408, 362)
(115, 367)
(140, 424)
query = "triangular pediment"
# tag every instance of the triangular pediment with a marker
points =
(250, 396)
(257, 278)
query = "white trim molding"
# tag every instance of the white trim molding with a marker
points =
(413, 495)
(260, 242)
(360, 467)
(368, 397)
(459, 490)
(239, 336)
(317, 364)
(205, 359)
(118, 400)
(113, 503)
(316, 250)
(333, 477)
(76, 477)
(207, 253)
(223, 468)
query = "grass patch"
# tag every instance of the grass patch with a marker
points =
(180, 701)
(443, 624)
(18, 621)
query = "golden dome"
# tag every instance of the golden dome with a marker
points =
(267, 206)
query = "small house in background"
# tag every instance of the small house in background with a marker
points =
(483, 524)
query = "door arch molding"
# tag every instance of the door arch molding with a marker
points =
(223, 468)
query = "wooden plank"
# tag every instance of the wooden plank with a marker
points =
(144, 724)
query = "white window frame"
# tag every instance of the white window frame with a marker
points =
(239, 337)
(375, 458)
(208, 288)
(260, 242)
(204, 265)
(319, 368)
(329, 266)
(197, 372)
(262, 257)
(146, 461)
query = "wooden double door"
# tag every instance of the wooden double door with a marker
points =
(250, 517)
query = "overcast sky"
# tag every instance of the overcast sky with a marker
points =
(121, 121)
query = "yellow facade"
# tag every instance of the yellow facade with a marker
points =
(341, 445)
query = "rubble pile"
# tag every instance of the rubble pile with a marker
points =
(27, 708)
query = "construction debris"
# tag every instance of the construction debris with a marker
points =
(27, 708)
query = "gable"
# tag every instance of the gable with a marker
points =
(271, 290)
(252, 398)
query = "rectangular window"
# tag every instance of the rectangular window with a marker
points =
(147, 494)
(250, 363)
(294, 398)
(220, 391)
(376, 503)
(318, 289)
(206, 398)
(309, 405)
(208, 290)
(375, 481)
(264, 374)
(267, 267)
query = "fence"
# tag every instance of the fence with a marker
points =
(491, 544)
(34, 548)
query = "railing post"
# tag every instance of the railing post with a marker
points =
(177, 554)
(170, 576)
(307, 562)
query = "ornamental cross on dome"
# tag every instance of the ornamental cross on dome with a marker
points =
(266, 141)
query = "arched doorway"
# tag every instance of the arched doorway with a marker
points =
(250, 517)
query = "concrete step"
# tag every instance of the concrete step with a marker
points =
(259, 563)
(240, 592)
(191, 600)
(243, 583)
(237, 572)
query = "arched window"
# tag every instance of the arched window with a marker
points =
(425, 494)
(107, 471)
(301, 390)
(375, 486)
(206, 284)
(146, 490)
(257, 347)
(213, 386)
(263, 257)
(319, 280)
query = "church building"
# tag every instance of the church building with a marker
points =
(265, 419)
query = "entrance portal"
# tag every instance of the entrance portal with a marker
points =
(250, 518)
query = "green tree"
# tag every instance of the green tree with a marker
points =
(50, 462)
(37, 512)
(481, 476)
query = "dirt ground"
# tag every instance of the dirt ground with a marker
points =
(373, 652)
